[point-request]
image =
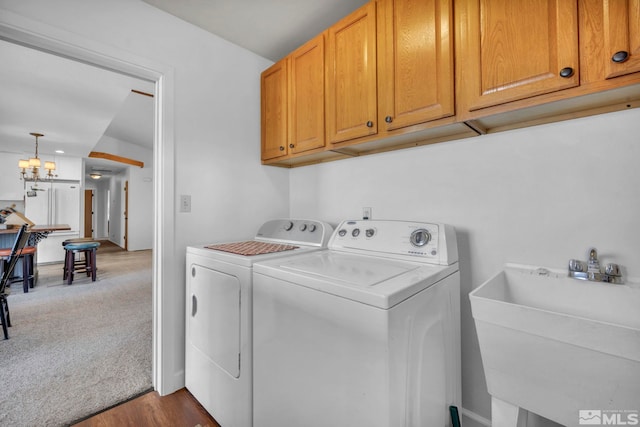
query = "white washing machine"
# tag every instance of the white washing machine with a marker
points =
(218, 313)
(364, 334)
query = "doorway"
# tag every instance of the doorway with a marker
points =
(126, 215)
(166, 369)
(89, 209)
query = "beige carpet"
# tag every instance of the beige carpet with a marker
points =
(76, 350)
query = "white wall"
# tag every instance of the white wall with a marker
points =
(216, 128)
(11, 186)
(116, 208)
(140, 229)
(539, 196)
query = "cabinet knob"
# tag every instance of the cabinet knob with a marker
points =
(281, 148)
(566, 72)
(369, 124)
(620, 56)
(388, 119)
(291, 145)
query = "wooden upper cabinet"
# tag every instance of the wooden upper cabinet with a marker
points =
(415, 61)
(273, 111)
(510, 50)
(621, 36)
(351, 99)
(306, 106)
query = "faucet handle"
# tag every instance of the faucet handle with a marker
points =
(612, 270)
(577, 265)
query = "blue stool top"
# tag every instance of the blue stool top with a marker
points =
(77, 240)
(80, 246)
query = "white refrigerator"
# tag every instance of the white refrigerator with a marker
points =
(54, 203)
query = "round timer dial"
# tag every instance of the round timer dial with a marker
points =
(420, 237)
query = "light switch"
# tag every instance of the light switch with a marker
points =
(185, 203)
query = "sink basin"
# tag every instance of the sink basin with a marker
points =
(554, 345)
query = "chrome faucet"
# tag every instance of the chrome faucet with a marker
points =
(590, 270)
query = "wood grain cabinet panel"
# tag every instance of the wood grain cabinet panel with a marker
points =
(621, 36)
(415, 62)
(351, 98)
(306, 103)
(511, 50)
(274, 110)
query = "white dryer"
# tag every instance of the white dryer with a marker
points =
(218, 313)
(363, 334)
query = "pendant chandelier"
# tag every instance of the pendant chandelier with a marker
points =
(31, 168)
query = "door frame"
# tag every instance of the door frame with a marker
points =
(168, 368)
(126, 215)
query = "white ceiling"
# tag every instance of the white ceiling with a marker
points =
(270, 28)
(74, 104)
(71, 103)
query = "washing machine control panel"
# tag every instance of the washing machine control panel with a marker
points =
(300, 231)
(428, 242)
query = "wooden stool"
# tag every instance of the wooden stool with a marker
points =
(89, 266)
(79, 261)
(27, 255)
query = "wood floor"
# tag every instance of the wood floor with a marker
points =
(179, 409)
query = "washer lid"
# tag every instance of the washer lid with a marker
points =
(376, 281)
(351, 270)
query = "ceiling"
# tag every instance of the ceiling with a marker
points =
(76, 105)
(73, 104)
(270, 28)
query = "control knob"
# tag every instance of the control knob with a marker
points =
(420, 237)
(288, 225)
(303, 227)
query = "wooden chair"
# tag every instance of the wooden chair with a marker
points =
(27, 255)
(8, 266)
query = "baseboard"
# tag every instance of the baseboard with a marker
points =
(474, 420)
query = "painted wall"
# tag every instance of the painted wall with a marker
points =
(140, 229)
(116, 208)
(11, 186)
(216, 127)
(539, 196)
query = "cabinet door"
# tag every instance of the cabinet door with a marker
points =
(351, 76)
(306, 106)
(415, 57)
(512, 50)
(273, 90)
(622, 36)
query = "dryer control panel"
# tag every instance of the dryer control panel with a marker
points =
(295, 231)
(433, 243)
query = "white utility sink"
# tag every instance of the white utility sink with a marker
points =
(555, 346)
